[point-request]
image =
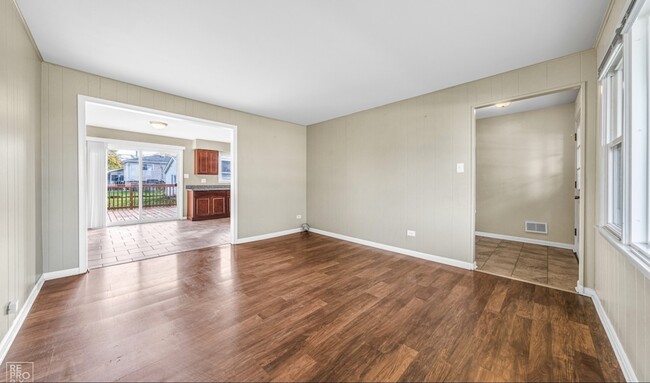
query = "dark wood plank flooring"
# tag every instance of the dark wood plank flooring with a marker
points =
(303, 308)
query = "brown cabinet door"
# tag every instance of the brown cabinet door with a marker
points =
(218, 205)
(206, 162)
(213, 160)
(202, 206)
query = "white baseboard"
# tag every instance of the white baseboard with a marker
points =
(412, 253)
(267, 236)
(9, 337)
(568, 246)
(61, 274)
(623, 360)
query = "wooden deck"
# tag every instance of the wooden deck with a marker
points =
(126, 215)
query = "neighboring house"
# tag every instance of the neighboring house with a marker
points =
(115, 177)
(155, 169)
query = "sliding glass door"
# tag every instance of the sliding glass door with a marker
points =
(142, 184)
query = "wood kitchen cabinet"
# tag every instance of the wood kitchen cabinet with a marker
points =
(208, 204)
(206, 162)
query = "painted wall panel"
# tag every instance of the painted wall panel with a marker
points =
(621, 286)
(20, 163)
(526, 172)
(272, 159)
(402, 158)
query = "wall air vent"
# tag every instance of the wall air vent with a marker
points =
(536, 227)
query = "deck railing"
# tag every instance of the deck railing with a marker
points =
(126, 196)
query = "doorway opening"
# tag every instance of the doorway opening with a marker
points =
(140, 172)
(526, 183)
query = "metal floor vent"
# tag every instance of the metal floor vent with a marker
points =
(536, 227)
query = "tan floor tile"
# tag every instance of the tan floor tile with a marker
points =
(534, 263)
(531, 274)
(120, 244)
(536, 249)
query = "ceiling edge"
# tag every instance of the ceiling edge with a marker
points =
(29, 33)
(599, 35)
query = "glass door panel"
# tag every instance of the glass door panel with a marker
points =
(122, 179)
(159, 187)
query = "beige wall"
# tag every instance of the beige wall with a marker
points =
(188, 152)
(271, 159)
(623, 290)
(374, 174)
(525, 171)
(20, 189)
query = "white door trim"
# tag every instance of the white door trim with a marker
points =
(81, 148)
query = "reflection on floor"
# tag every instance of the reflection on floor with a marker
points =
(150, 212)
(123, 244)
(544, 265)
(308, 308)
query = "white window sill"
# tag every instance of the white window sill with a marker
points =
(634, 255)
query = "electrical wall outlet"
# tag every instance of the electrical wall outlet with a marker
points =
(299, 216)
(12, 307)
(460, 167)
(186, 176)
(410, 233)
(203, 180)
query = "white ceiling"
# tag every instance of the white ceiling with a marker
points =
(307, 61)
(113, 117)
(528, 104)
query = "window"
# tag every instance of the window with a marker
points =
(625, 89)
(639, 232)
(224, 168)
(613, 119)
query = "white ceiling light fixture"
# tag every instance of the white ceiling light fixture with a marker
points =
(501, 104)
(159, 125)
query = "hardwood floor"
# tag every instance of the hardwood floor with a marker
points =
(308, 307)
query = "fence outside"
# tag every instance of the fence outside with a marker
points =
(153, 195)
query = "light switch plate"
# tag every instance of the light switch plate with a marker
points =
(460, 167)
(203, 180)
(186, 176)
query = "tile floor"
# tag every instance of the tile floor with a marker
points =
(122, 244)
(544, 265)
(125, 215)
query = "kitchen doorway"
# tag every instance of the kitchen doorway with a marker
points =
(139, 169)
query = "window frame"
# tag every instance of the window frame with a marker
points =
(617, 66)
(223, 158)
(632, 55)
(638, 47)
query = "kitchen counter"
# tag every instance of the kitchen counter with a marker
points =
(207, 187)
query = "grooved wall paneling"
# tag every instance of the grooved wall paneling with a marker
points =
(20, 163)
(271, 159)
(377, 173)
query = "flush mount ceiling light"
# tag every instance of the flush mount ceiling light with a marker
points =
(502, 104)
(158, 124)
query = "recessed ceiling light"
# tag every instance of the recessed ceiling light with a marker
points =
(502, 104)
(158, 124)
